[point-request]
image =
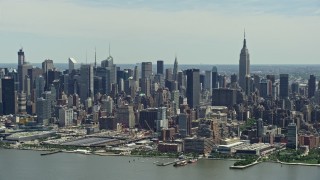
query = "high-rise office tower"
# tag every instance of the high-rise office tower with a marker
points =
(146, 86)
(264, 88)
(175, 70)
(22, 103)
(184, 124)
(112, 71)
(181, 80)
(21, 57)
(260, 128)
(86, 81)
(43, 110)
(72, 63)
(162, 121)
(169, 74)
(292, 136)
(284, 86)
(215, 75)
(27, 86)
(47, 65)
(193, 87)
(234, 81)
(311, 86)
(202, 81)
(244, 65)
(8, 95)
(146, 70)
(23, 67)
(136, 73)
(208, 81)
(249, 83)
(147, 118)
(222, 79)
(104, 74)
(65, 116)
(160, 67)
(125, 116)
(39, 86)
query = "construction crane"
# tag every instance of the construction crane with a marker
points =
(152, 132)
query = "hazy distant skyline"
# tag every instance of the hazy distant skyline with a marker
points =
(198, 32)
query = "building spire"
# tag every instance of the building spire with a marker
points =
(109, 50)
(244, 39)
(175, 68)
(95, 57)
(86, 56)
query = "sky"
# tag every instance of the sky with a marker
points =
(196, 31)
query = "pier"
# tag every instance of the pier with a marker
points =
(244, 167)
(165, 164)
(50, 152)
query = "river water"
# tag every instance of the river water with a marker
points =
(22, 164)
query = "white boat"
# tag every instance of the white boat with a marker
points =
(82, 151)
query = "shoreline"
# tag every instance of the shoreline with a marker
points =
(301, 164)
(129, 155)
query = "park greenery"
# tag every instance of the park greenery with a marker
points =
(246, 161)
(145, 153)
(249, 123)
(154, 154)
(4, 144)
(297, 156)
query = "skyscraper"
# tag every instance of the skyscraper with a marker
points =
(184, 124)
(214, 77)
(72, 62)
(159, 67)
(292, 136)
(39, 86)
(21, 57)
(244, 65)
(193, 87)
(136, 73)
(23, 67)
(111, 69)
(86, 82)
(47, 65)
(311, 86)
(8, 95)
(175, 69)
(43, 110)
(284, 86)
(146, 70)
(125, 116)
(208, 81)
(22, 103)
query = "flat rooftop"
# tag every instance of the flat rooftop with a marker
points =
(90, 141)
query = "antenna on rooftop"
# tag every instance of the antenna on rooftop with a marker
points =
(86, 57)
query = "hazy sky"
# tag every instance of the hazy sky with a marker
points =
(198, 31)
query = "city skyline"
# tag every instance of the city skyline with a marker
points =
(205, 32)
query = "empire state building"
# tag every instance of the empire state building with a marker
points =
(244, 65)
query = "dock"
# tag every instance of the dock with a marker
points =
(165, 164)
(50, 152)
(244, 167)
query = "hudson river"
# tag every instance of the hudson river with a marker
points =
(21, 164)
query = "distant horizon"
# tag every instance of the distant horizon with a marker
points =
(154, 63)
(212, 31)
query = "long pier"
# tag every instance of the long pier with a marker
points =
(165, 164)
(246, 166)
(50, 152)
